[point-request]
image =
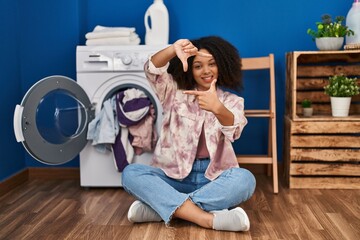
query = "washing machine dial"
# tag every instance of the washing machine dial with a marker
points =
(126, 59)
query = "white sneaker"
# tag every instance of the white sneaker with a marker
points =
(140, 212)
(231, 220)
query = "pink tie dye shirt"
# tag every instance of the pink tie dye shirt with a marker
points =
(182, 123)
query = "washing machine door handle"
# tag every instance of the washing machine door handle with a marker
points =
(52, 120)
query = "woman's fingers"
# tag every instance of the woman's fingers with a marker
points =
(184, 63)
(213, 86)
(193, 92)
(202, 54)
(185, 49)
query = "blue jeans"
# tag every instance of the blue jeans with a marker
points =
(165, 195)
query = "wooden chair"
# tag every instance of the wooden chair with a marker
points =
(260, 63)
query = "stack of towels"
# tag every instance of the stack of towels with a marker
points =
(112, 36)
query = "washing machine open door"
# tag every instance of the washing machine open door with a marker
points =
(52, 120)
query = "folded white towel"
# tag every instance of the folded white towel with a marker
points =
(124, 29)
(111, 34)
(106, 34)
(113, 41)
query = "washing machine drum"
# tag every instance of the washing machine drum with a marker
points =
(52, 119)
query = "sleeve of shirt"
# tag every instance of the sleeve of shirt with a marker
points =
(161, 82)
(236, 105)
(155, 70)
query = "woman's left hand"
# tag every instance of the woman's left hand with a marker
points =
(208, 100)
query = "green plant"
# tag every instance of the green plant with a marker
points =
(328, 28)
(342, 86)
(306, 103)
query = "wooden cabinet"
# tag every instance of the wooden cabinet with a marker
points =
(320, 151)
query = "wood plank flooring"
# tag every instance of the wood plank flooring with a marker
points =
(61, 209)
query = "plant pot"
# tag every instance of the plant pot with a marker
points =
(340, 106)
(307, 112)
(329, 43)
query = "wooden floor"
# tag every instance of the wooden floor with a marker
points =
(61, 209)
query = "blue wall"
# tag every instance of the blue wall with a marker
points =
(38, 39)
(48, 39)
(12, 154)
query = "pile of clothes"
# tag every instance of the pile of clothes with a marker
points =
(112, 36)
(125, 126)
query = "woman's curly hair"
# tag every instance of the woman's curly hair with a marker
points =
(227, 60)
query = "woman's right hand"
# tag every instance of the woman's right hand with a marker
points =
(184, 49)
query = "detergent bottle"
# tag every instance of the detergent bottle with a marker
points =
(353, 22)
(157, 32)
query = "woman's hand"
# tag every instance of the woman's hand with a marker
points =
(182, 48)
(208, 100)
(185, 49)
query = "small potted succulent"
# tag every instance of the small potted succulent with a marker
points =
(340, 89)
(329, 34)
(307, 108)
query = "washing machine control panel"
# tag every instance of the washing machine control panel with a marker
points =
(113, 58)
(130, 60)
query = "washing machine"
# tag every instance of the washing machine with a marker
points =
(53, 117)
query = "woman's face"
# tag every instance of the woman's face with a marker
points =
(204, 70)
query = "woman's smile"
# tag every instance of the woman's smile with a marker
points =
(207, 79)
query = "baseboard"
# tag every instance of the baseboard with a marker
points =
(54, 173)
(38, 173)
(14, 181)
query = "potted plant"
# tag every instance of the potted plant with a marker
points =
(307, 108)
(330, 34)
(341, 89)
